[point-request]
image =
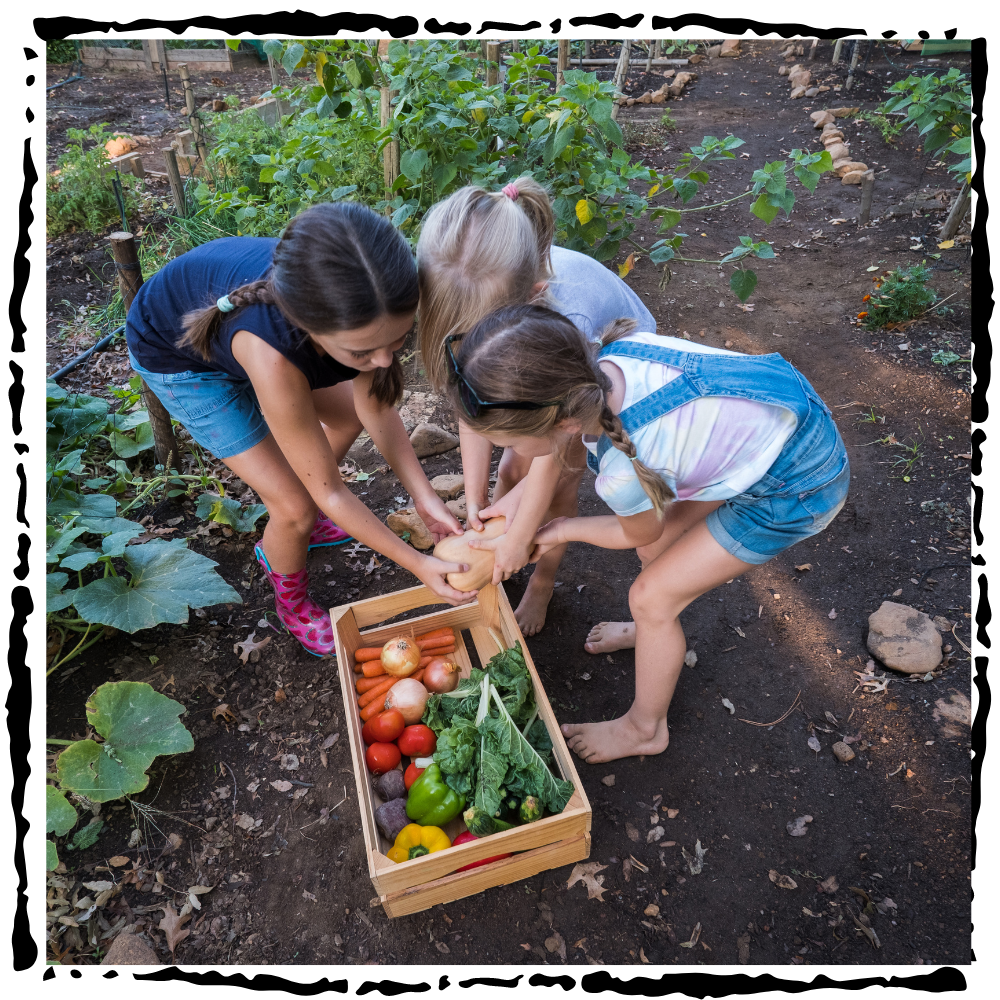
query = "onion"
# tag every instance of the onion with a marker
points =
(400, 656)
(409, 697)
(441, 675)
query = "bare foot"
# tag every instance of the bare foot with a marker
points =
(597, 742)
(530, 613)
(606, 637)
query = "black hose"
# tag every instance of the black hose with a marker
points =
(101, 345)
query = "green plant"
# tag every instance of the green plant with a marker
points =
(61, 50)
(79, 192)
(912, 453)
(946, 358)
(133, 725)
(871, 417)
(897, 296)
(668, 121)
(941, 108)
(888, 129)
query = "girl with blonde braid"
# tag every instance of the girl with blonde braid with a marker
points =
(712, 462)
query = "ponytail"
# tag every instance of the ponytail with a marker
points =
(201, 327)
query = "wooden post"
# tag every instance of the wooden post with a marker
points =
(273, 67)
(562, 63)
(586, 49)
(621, 74)
(649, 56)
(957, 213)
(493, 63)
(390, 153)
(158, 54)
(130, 281)
(854, 65)
(185, 76)
(837, 46)
(147, 55)
(174, 175)
(516, 45)
(812, 48)
(867, 190)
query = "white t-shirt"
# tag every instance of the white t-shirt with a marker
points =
(711, 448)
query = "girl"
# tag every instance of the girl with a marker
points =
(712, 461)
(479, 251)
(277, 375)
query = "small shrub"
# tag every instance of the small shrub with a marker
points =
(897, 296)
(888, 129)
(62, 50)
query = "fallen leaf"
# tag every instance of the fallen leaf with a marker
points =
(695, 861)
(245, 821)
(814, 744)
(946, 245)
(526, 946)
(172, 926)
(289, 762)
(632, 833)
(118, 860)
(623, 269)
(831, 718)
(174, 840)
(587, 873)
(306, 894)
(726, 703)
(279, 694)
(579, 944)
(797, 827)
(99, 886)
(442, 947)
(782, 881)
(223, 712)
(654, 835)
(608, 779)
(248, 646)
(695, 934)
(329, 741)
(832, 614)
(556, 944)
(281, 786)
(804, 566)
(627, 869)
(642, 957)
(253, 786)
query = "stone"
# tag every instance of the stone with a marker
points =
(458, 508)
(695, 59)
(903, 638)
(797, 92)
(430, 439)
(408, 520)
(680, 82)
(417, 408)
(667, 74)
(659, 98)
(843, 112)
(838, 151)
(821, 118)
(782, 71)
(849, 167)
(652, 910)
(130, 949)
(448, 487)
(730, 49)
(120, 145)
(854, 177)
(842, 751)
(218, 106)
(803, 78)
(713, 51)
(812, 91)
(646, 98)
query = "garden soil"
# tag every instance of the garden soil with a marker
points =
(889, 839)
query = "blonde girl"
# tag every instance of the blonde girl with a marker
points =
(712, 461)
(478, 251)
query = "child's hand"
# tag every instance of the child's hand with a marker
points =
(509, 555)
(506, 506)
(547, 537)
(472, 517)
(432, 573)
(439, 520)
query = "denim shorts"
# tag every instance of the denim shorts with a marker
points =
(218, 410)
(757, 525)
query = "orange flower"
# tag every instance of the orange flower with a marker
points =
(862, 315)
(867, 298)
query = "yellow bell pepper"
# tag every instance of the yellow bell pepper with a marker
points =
(414, 841)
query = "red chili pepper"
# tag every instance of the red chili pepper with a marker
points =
(467, 838)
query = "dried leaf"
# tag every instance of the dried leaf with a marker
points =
(174, 841)
(245, 821)
(248, 646)
(279, 694)
(223, 712)
(655, 834)
(587, 873)
(281, 786)
(306, 894)
(329, 741)
(695, 861)
(642, 957)
(797, 827)
(172, 926)
(814, 744)
(632, 833)
(556, 944)
(99, 886)
(623, 269)
(831, 718)
(695, 934)
(289, 762)
(804, 567)
(782, 881)
(829, 884)
(199, 890)
(118, 860)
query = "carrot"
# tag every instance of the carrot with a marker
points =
(369, 696)
(448, 630)
(365, 684)
(424, 660)
(368, 653)
(372, 668)
(418, 675)
(377, 704)
(444, 640)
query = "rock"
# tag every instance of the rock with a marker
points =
(695, 59)
(821, 118)
(629, 101)
(680, 82)
(120, 145)
(430, 439)
(448, 487)
(801, 79)
(667, 74)
(130, 949)
(652, 910)
(690, 658)
(837, 151)
(730, 49)
(830, 132)
(842, 751)
(849, 167)
(843, 112)
(659, 98)
(416, 408)
(812, 91)
(797, 827)
(797, 92)
(903, 638)
(854, 177)
(608, 779)
(408, 520)
(713, 51)
(458, 508)
(646, 98)
(218, 106)
(821, 88)
(782, 71)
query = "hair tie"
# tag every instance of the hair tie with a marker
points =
(633, 458)
(223, 304)
(511, 191)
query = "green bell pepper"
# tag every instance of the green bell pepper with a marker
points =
(431, 802)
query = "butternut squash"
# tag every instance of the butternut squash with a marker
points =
(455, 548)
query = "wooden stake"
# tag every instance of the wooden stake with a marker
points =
(562, 63)
(812, 48)
(174, 175)
(649, 56)
(838, 45)
(185, 76)
(493, 64)
(854, 65)
(130, 281)
(621, 74)
(867, 190)
(273, 67)
(390, 153)
(957, 213)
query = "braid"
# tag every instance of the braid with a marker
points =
(253, 293)
(653, 485)
(201, 327)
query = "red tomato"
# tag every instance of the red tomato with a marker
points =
(467, 838)
(417, 741)
(411, 774)
(382, 757)
(385, 727)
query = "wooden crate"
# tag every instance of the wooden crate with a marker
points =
(548, 843)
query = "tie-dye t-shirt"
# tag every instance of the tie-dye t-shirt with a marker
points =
(711, 448)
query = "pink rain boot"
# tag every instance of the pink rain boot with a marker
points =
(325, 532)
(300, 615)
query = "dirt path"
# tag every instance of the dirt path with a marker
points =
(893, 823)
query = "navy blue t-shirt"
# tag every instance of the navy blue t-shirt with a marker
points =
(195, 280)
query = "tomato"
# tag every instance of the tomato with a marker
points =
(417, 741)
(467, 838)
(382, 757)
(384, 727)
(411, 774)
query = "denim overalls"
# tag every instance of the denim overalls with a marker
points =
(806, 486)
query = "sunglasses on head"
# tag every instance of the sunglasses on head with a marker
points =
(470, 399)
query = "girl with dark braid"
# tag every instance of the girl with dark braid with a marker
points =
(274, 354)
(712, 462)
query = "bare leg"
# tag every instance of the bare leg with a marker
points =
(291, 510)
(335, 408)
(693, 565)
(606, 637)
